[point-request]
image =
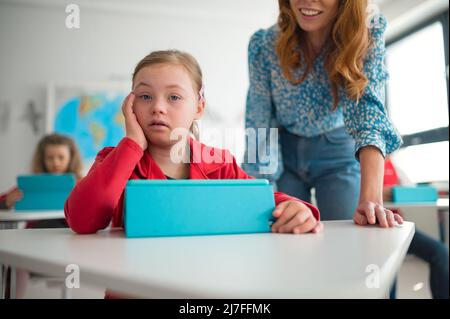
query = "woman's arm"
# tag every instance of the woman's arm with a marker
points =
(370, 208)
(372, 171)
(375, 136)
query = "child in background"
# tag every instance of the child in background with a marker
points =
(423, 246)
(167, 94)
(54, 154)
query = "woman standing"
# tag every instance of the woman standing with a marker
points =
(319, 76)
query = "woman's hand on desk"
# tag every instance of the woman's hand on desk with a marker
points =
(371, 213)
(295, 217)
(12, 197)
(370, 210)
(132, 127)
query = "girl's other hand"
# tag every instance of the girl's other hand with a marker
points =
(295, 217)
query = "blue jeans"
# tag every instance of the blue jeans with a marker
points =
(435, 253)
(326, 163)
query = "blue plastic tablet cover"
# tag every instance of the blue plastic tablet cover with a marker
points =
(156, 208)
(44, 191)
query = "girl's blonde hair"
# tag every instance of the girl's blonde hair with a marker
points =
(38, 164)
(347, 47)
(178, 58)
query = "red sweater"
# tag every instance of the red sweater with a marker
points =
(3, 201)
(98, 198)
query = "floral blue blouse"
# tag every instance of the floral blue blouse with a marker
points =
(306, 109)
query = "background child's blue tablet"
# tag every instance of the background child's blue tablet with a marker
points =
(44, 191)
(405, 194)
(197, 207)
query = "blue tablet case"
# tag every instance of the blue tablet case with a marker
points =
(156, 208)
(403, 194)
(44, 191)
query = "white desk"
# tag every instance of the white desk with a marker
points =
(441, 207)
(11, 219)
(328, 265)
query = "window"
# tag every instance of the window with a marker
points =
(425, 162)
(417, 88)
(417, 100)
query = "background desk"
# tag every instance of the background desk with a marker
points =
(441, 207)
(11, 219)
(332, 264)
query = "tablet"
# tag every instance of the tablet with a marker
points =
(156, 208)
(414, 194)
(44, 191)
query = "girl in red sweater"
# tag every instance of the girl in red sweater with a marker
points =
(167, 96)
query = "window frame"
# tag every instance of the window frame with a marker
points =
(437, 134)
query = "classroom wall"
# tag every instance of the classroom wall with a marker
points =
(36, 47)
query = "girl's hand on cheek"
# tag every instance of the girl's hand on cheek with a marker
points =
(133, 129)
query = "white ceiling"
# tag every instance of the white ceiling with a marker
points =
(218, 9)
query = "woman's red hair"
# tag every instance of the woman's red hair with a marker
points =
(346, 49)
